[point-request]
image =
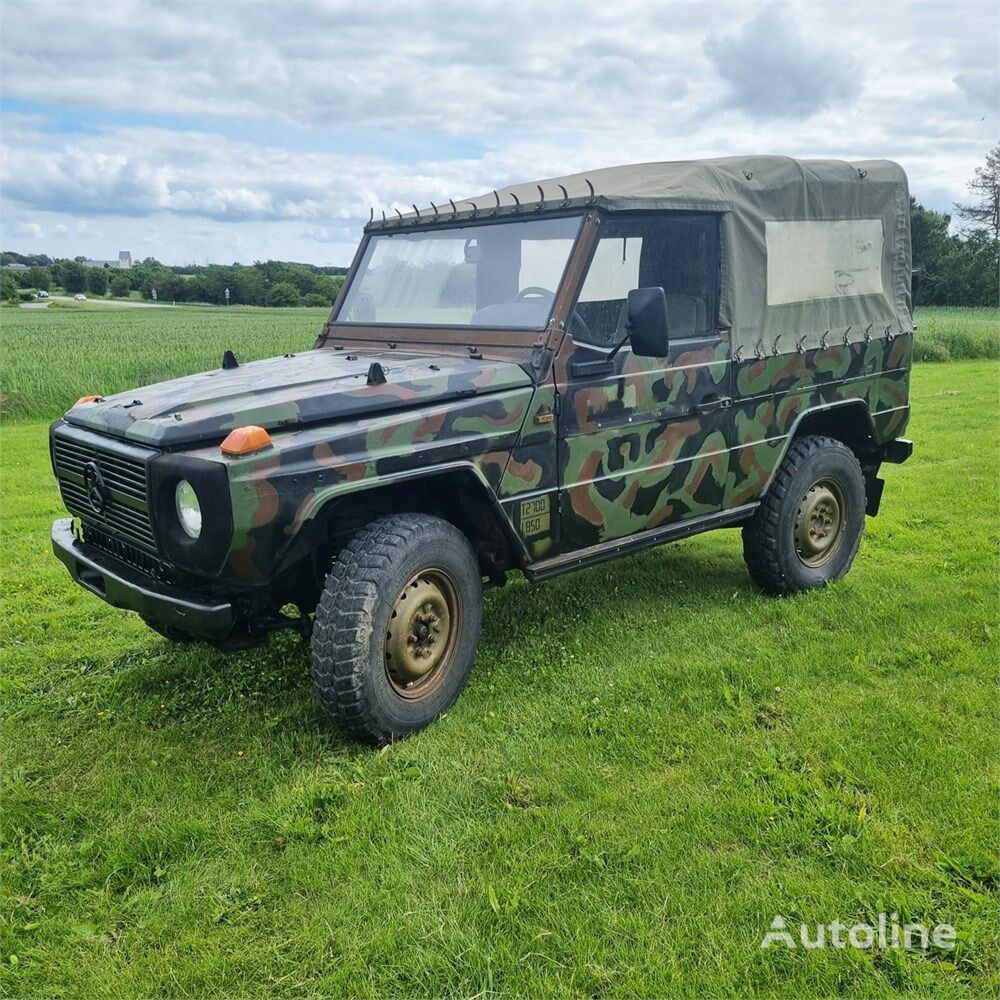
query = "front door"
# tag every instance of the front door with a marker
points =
(643, 442)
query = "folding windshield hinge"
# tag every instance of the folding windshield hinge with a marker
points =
(538, 355)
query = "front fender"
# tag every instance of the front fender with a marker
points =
(277, 493)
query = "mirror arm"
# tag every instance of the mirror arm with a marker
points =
(621, 343)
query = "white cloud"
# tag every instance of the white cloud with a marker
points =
(183, 110)
(775, 71)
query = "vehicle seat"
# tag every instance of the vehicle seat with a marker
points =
(527, 313)
(686, 316)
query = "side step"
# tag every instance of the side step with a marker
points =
(603, 551)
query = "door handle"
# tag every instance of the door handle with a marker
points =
(711, 405)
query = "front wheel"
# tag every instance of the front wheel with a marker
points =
(807, 529)
(397, 626)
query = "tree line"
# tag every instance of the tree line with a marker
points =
(264, 283)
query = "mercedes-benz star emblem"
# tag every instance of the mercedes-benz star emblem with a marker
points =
(97, 492)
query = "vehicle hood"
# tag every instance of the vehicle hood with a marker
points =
(306, 388)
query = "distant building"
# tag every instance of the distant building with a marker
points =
(124, 259)
(16, 267)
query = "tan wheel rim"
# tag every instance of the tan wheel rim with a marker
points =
(421, 634)
(819, 523)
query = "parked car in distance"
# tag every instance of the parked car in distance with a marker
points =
(539, 379)
(42, 294)
(80, 297)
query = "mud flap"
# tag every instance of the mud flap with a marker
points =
(873, 493)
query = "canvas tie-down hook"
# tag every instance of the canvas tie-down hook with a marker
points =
(593, 193)
(565, 194)
(541, 198)
(475, 209)
(496, 208)
(517, 203)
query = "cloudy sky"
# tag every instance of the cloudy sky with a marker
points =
(240, 131)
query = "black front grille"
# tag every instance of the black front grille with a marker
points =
(131, 555)
(125, 513)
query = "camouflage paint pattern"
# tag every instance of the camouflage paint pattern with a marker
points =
(633, 455)
(312, 387)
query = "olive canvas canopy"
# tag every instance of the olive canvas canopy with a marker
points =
(813, 251)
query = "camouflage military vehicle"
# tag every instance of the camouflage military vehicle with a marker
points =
(538, 379)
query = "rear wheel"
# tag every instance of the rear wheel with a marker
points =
(397, 626)
(807, 530)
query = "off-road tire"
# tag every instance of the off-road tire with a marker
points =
(349, 666)
(769, 538)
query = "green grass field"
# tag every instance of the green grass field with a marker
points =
(651, 759)
(52, 358)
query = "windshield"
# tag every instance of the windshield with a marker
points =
(502, 275)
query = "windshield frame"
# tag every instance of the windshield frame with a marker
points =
(508, 335)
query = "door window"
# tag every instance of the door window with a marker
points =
(675, 251)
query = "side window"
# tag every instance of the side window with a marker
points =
(676, 251)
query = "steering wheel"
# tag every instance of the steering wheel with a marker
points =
(536, 291)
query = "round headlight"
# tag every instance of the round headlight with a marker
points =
(188, 508)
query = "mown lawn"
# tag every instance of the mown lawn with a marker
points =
(651, 760)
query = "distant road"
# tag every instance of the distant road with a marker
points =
(125, 303)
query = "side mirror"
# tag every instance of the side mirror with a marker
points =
(647, 322)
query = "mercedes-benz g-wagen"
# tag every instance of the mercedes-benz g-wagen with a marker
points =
(537, 379)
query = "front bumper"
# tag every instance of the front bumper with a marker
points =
(124, 587)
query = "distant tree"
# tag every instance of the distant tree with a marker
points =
(169, 287)
(282, 294)
(961, 269)
(8, 287)
(984, 212)
(39, 277)
(119, 285)
(97, 280)
(74, 276)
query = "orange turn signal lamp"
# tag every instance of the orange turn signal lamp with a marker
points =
(90, 399)
(245, 440)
